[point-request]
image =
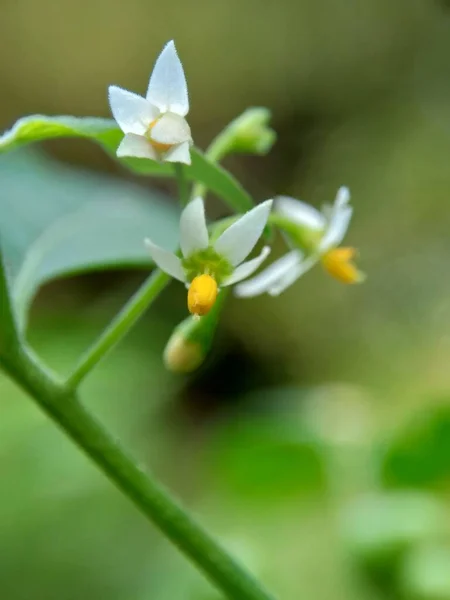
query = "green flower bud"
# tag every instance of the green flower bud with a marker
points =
(191, 340)
(249, 133)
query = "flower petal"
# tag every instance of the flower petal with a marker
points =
(299, 212)
(166, 261)
(337, 228)
(247, 268)
(171, 129)
(136, 145)
(291, 277)
(167, 88)
(236, 242)
(270, 276)
(193, 231)
(179, 153)
(132, 112)
(342, 197)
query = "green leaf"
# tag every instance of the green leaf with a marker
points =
(268, 459)
(106, 133)
(425, 574)
(57, 222)
(379, 529)
(419, 454)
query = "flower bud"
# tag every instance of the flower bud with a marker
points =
(191, 340)
(250, 133)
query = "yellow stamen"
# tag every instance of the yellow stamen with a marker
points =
(202, 295)
(338, 263)
(156, 145)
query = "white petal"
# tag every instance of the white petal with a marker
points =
(180, 153)
(167, 88)
(291, 277)
(300, 212)
(193, 231)
(337, 229)
(166, 261)
(171, 129)
(132, 112)
(270, 276)
(136, 145)
(342, 197)
(247, 268)
(236, 242)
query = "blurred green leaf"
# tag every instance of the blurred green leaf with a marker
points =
(57, 222)
(380, 528)
(425, 574)
(419, 454)
(268, 458)
(106, 133)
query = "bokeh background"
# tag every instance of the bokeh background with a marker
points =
(315, 441)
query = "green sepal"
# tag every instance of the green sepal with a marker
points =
(207, 261)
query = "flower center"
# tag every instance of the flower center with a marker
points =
(207, 261)
(338, 263)
(202, 295)
(156, 145)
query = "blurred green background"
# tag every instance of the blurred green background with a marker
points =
(315, 442)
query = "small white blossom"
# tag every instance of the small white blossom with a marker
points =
(205, 266)
(331, 225)
(155, 126)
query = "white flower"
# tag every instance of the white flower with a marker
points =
(205, 266)
(331, 226)
(155, 126)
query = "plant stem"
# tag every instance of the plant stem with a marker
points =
(60, 403)
(215, 152)
(183, 191)
(119, 326)
(9, 337)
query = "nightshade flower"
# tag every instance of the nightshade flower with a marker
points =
(155, 126)
(206, 266)
(331, 226)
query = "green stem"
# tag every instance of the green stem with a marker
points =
(301, 236)
(9, 337)
(183, 190)
(60, 403)
(119, 326)
(215, 152)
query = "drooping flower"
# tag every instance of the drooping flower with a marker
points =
(329, 227)
(205, 266)
(155, 126)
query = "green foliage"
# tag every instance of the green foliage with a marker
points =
(106, 133)
(58, 222)
(419, 454)
(380, 529)
(425, 574)
(265, 459)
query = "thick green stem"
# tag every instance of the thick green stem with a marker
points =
(60, 403)
(119, 326)
(9, 337)
(183, 190)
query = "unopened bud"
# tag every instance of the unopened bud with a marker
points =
(250, 132)
(191, 340)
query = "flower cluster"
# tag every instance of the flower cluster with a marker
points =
(155, 128)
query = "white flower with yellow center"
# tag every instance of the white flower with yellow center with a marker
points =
(330, 227)
(155, 126)
(205, 266)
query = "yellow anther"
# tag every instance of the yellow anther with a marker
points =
(338, 263)
(202, 295)
(156, 145)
